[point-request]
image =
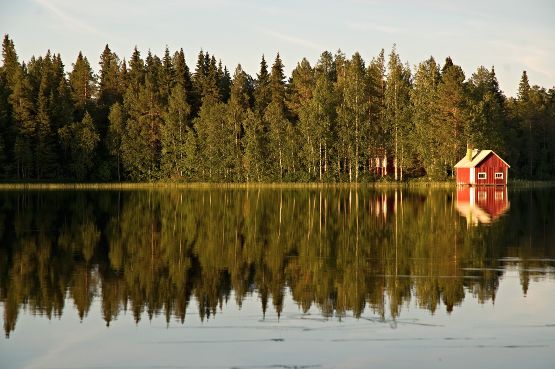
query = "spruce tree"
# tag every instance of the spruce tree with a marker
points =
(82, 83)
(80, 140)
(25, 128)
(45, 153)
(109, 86)
(183, 76)
(114, 136)
(236, 113)
(424, 108)
(262, 94)
(451, 117)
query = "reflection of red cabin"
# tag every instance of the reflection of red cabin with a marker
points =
(482, 168)
(482, 204)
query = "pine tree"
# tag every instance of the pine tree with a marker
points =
(183, 76)
(215, 141)
(10, 63)
(237, 108)
(167, 77)
(135, 76)
(277, 82)
(141, 141)
(262, 94)
(109, 84)
(279, 132)
(525, 114)
(4, 125)
(82, 83)
(487, 111)
(45, 153)
(80, 140)
(224, 82)
(8, 78)
(451, 118)
(114, 137)
(25, 129)
(300, 87)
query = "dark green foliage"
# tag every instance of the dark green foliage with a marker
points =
(262, 94)
(339, 120)
(83, 86)
(79, 141)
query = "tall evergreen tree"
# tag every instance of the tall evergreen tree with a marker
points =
(114, 137)
(215, 141)
(262, 94)
(451, 117)
(275, 117)
(45, 153)
(183, 77)
(80, 140)
(109, 84)
(82, 83)
(141, 142)
(237, 107)
(25, 128)
(424, 108)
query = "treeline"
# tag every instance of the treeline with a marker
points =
(154, 119)
(341, 251)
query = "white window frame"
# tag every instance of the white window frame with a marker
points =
(482, 175)
(499, 175)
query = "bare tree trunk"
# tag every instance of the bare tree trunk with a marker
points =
(320, 161)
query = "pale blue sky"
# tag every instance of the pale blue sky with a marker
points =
(511, 35)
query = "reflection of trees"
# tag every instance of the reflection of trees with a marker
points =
(341, 250)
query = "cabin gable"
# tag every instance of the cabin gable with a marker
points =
(485, 168)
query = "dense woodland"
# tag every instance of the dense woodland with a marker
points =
(369, 254)
(153, 119)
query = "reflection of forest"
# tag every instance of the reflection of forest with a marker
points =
(342, 250)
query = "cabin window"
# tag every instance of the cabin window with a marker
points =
(482, 175)
(498, 175)
(482, 195)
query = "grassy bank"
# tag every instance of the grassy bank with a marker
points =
(276, 185)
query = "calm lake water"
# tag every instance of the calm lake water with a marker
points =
(263, 278)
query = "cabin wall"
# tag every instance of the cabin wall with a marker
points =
(463, 176)
(491, 165)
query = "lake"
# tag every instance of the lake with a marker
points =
(278, 278)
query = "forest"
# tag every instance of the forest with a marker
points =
(154, 119)
(345, 252)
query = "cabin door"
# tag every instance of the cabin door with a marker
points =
(472, 175)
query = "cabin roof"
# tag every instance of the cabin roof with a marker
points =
(477, 159)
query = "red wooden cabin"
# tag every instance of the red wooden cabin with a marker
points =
(482, 204)
(482, 168)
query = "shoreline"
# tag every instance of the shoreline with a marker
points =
(249, 185)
